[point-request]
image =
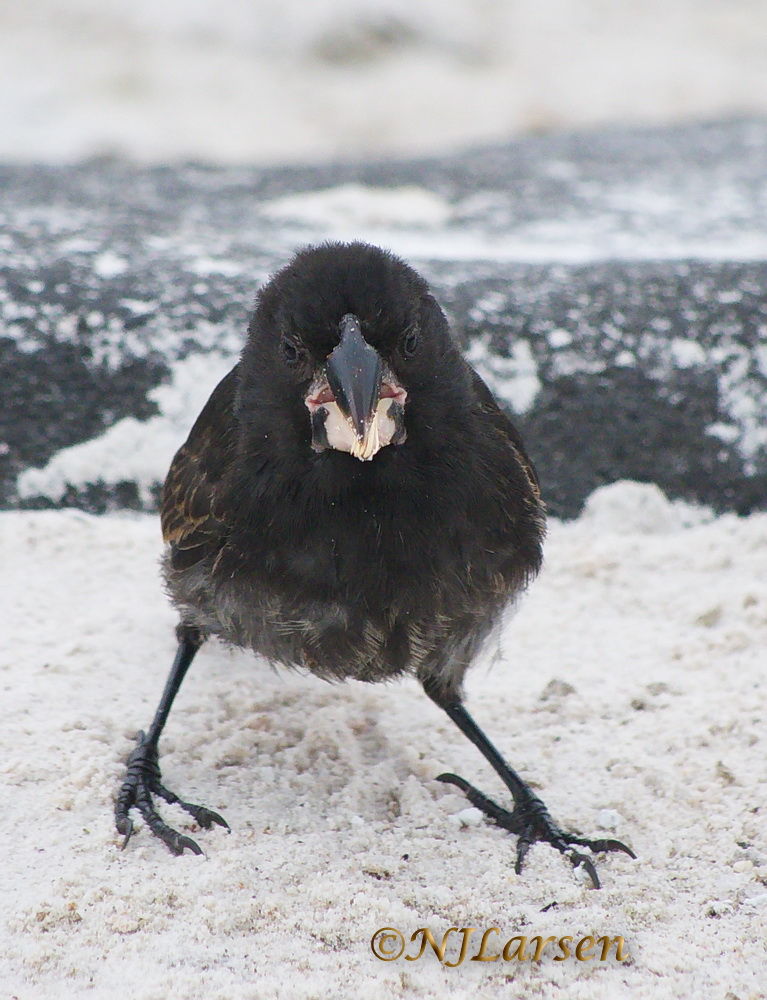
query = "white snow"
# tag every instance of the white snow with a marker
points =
(415, 223)
(109, 264)
(560, 338)
(352, 206)
(134, 450)
(687, 353)
(631, 691)
(641, 508)
(742, 399)
(513, 379)
(239, 81)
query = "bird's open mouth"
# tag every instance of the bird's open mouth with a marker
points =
(332, 428)
(355, 402)
(320, 394)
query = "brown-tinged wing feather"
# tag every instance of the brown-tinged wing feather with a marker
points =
(192, 520)
(492, 412)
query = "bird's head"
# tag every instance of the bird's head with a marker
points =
(345, 343)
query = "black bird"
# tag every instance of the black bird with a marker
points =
(351, 500)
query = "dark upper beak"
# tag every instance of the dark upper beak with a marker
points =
(354, 371)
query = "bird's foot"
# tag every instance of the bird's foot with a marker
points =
(141, 783)
(530, 820)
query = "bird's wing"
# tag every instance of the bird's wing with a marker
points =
(492, 412)
(193, 523)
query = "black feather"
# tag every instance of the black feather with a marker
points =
(349, 568)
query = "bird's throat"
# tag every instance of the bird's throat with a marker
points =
(331, 428)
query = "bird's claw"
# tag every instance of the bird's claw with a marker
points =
(141, 783)
(530, 820)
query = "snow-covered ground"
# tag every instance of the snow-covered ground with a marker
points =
(630, 685)
(268, 81)
(629, 688)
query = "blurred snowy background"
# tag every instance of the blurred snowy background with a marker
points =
(269, 81)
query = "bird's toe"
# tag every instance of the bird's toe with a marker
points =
(141, 784)
(531, 822)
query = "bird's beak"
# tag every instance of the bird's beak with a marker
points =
(355, 401)
(354, 371)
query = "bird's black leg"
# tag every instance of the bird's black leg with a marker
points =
(529, 818)
(143, 778)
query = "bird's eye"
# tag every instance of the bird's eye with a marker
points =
(410, 343)
(290, 351)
